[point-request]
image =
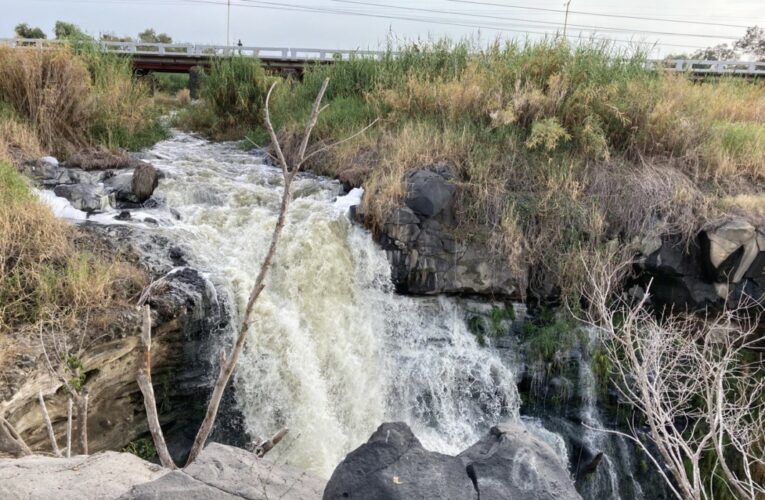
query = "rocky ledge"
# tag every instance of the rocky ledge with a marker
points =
(723, 265)
(509, 462)
(220, 472)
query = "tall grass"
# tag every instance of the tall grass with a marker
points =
(43, 275)
(233, 92)
(73, 99)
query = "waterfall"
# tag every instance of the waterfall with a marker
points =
(333, 351)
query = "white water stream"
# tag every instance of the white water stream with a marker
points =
(333, 352)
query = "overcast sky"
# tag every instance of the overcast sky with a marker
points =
(366, 24)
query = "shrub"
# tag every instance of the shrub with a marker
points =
(235, 89)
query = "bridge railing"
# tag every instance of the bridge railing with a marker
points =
(748, 68)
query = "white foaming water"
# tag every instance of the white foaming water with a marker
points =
(333, 352)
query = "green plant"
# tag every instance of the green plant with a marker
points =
(142, 448)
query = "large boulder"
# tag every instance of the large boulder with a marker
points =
(144, 181)
(509, 463)
(393, 465)
(223, 472)
(104, 475)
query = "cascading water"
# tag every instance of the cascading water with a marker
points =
(333, 352)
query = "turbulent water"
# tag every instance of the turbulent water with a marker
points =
(333, 352)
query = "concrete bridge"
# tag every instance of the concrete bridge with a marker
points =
(180, 57)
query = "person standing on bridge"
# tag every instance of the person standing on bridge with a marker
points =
(239, 44)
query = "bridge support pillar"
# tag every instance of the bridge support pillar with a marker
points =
(195, 77)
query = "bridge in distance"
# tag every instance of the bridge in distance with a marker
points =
(180, 57)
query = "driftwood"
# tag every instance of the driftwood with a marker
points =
(10, 440)
(264, 447)
(48, 425)
(149, 401)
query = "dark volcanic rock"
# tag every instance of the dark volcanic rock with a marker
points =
(429, 191)
(722, 265)
(509, 463)
(393, 465)
(424, 254)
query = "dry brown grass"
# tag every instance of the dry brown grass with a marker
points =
(18, 141)
(52, 90)
(183, 97)
(413, 145)
(43, 274)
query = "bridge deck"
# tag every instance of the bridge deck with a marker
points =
(181, 57)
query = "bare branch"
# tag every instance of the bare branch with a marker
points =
(10, 440)
(337, 143)
(147, 389)
(48, 425)
(69, 427)
(262, 448)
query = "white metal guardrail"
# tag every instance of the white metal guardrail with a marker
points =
(744, 68)
(199, 50)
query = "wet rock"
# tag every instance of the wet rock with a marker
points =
(124, 215)
(511, 462)
(144, 182)
(393, 465)
(223, 472)
(508, 463)
(86, 197)
(121, 185)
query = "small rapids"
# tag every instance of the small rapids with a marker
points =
(333, 351)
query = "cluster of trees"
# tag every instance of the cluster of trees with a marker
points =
(752, 44)
(68, 31)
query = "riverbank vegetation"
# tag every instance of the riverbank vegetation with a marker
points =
(555, 147)
(61, 100)
(52, 276)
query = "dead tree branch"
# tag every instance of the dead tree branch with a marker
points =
(147, 389)
(10, 440)
(264, 447)
(687, 376)
(227, 368)
(48, 425)
(69, 427)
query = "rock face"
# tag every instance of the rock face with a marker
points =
(512, 463)
(725, 263)
(105, 475)
(187, 320)
(509, 463)
(425, 256)
(223, 472)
